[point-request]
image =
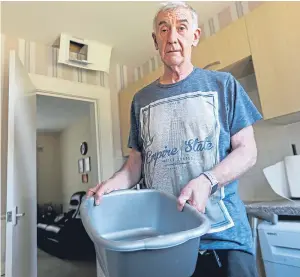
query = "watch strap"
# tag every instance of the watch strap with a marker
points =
(214, 182)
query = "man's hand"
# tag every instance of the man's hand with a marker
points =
(196, 193)
(103, 188)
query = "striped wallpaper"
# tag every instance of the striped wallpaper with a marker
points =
(41, 59)
(219, 21)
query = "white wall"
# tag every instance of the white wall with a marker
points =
(71, 139)
(92, 147)
(49, 183)
(114, 85)
(293, 131)
(273, 143)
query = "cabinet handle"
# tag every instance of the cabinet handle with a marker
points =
(211, 64)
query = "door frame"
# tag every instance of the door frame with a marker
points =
(98, 95)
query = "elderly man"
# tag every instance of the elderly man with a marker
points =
(191, 136)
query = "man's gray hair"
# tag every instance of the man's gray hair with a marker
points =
(173, 6)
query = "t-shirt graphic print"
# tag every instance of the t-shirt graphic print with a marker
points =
(180, 137)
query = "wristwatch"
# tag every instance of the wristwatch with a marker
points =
(213, 180)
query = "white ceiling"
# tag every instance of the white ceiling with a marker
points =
(126, 26)
(55, 114)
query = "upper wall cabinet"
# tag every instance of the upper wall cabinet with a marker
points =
(232, 44)
(227, 47)
(274, 37)
(205, 55)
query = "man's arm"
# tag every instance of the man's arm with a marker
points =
(127, 177)
(241, 115)
(130, 173)
(240, 160)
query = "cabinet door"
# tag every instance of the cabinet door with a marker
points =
(274, 36)
(204, 55)
(125, 100)
(232, 44)
(227, 47)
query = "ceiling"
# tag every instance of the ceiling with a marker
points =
(126, 26)
(55, 114)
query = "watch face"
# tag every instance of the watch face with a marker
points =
(214, 188)
(83, 148)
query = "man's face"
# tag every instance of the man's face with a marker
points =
(175, 36)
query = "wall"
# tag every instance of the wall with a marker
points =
(39, 59)
(92, 147)
(115, 87)
(294, 136)
(49, 181)
(273, 144)
(70, 141)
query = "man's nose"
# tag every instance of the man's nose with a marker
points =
(172, 38)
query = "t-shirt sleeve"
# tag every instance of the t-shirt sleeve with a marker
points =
(133, 140)
(241, 110)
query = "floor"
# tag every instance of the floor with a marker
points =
(50, 266)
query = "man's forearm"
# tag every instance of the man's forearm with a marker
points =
(130, 173)
(235, 164)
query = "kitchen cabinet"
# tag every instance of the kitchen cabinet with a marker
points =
(125, 99)
(232, 44)
(274, 38)
(225, 48)
(205, 55)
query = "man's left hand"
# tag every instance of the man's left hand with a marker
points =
(196, 193)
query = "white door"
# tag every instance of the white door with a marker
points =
(21, 245)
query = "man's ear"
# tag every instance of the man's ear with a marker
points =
(197, 35)
(155, 41)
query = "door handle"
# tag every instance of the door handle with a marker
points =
(20, 215)
(12, 216)
(211, 64)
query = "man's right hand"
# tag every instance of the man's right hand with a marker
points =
(103, 188)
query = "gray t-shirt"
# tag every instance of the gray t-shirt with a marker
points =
(183, 129)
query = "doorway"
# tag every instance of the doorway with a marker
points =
(20, 244)
(65, 170)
